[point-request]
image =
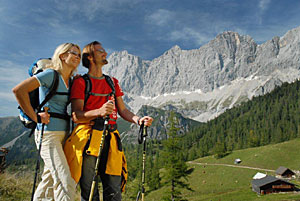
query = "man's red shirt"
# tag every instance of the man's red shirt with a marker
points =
(99, 86)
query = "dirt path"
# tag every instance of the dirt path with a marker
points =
(236, 166)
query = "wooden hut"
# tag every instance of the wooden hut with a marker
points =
(284, 172)
(270, 184)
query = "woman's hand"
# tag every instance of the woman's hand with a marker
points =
(45, 117)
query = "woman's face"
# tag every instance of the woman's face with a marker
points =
(72, 57)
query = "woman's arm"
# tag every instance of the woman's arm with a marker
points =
(21, 92)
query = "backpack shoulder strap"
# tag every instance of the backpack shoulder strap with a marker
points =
(52, 90)
(88, 87)
(111, 84)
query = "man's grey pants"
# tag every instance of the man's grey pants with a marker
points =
(111, 184)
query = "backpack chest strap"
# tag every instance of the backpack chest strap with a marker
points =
(96, 94)
(62, 93)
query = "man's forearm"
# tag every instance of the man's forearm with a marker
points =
(84, 116)
(129, 116)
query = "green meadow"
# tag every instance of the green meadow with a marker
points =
(210, 180)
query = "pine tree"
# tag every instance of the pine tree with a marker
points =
(154, 177)
(174, 165)
(220, 149)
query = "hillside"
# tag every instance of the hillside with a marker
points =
(10, 127)
(271, 118)
(214, 183)
(158, 128)
(209, 182)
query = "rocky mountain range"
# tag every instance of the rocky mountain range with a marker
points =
(202, 83)
(199, 84)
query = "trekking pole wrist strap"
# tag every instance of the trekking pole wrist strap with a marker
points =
(138, 121)
(38, 117)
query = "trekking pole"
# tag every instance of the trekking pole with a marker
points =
(37, 167)
(142, 139)
(99, 157)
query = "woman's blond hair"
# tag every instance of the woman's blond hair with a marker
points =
(61, 49)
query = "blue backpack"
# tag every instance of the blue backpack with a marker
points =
(37, 67)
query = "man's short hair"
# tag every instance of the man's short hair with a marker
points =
(88, 50)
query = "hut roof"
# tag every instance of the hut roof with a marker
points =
(259, 175)
(266, 180)
(282, 170)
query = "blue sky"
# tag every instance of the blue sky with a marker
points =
(32, 29)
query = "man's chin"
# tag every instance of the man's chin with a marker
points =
(105, 61)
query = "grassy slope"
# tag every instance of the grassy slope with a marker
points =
(230, 183)
(17, 186)
(208, 182)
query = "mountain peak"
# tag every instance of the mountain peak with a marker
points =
(228, 33)
(174, 50)
(120, 53)
(229, 36)
(175, 47)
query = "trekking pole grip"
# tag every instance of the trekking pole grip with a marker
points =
(141, 134)
(145, 134)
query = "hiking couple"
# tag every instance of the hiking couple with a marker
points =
(71, 161)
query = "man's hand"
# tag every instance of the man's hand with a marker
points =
(106, 109)
(147, 121)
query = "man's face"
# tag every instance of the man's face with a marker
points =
(100, 55)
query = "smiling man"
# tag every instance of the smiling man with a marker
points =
(89, 110)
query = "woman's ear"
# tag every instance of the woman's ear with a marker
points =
(63, 56)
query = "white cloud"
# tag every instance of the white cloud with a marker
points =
(12, 72)
(58, 26)
(7, 18)
(160, 17)
(187, 34)
(264, 4)
(7, 97)
(93, 9)
(10, 75)
(191, 25)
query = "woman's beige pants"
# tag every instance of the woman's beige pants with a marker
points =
(57, 183)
